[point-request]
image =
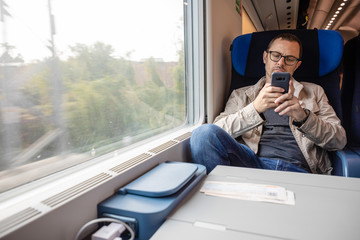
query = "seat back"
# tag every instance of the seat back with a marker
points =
(322, 53)
(350, 92)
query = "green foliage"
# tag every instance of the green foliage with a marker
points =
(90, 62)
(102, 102)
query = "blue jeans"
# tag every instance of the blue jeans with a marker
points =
(212, 146)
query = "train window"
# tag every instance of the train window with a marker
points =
(83, 78)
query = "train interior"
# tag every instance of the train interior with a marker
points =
(57, 204)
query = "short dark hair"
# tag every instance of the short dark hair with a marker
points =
(288, 37)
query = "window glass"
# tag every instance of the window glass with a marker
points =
(81, 78)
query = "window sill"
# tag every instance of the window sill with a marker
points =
(44, 207)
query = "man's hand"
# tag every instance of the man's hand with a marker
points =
(267, 97)
(289, 104)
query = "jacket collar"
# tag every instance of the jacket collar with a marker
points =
(298, 87)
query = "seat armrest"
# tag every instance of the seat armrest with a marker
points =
(345, 163)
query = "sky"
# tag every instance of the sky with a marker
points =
(141, 27)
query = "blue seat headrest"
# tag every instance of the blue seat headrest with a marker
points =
(322, 52)
(239, 52)
(330, 51)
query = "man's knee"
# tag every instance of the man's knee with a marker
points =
(204, 132)
(203, 129)
(203, 145)
(205, 137)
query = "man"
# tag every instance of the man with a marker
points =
(280, 131)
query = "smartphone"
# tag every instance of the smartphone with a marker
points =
(280, 79)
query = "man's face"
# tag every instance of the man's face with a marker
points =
(285, 48)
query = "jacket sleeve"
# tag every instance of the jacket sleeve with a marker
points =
(323, 127)
(239, 116)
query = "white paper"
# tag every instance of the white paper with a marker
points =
(249, 191)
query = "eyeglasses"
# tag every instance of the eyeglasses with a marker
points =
(289, 60)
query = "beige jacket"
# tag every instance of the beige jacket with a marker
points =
(322, 131)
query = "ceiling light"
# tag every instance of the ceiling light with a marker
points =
(335, 13)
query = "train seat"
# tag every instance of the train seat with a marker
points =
(322, 54)
(350, 95)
